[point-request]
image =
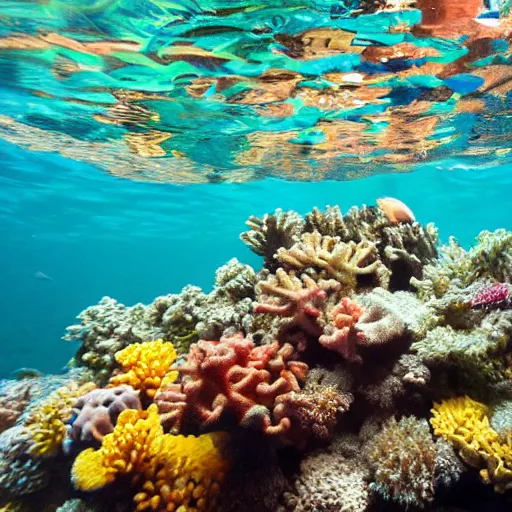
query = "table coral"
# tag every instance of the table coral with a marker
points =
(168, 472)
(232, 375)
(146, 366)
(95, 413)
(402, 458)
(465, 423)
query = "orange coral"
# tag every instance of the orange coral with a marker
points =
(171, 472)
(145, 366)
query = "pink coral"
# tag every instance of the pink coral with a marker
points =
(96, 412)
(290, 299)
(492, 296)
(232, 375)
(340, 334)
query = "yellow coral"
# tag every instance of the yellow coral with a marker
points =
(14, 506)
(465, 423)
(174, 473)
(146, 366)
(47, 421)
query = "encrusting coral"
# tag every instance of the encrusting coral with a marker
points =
(169, 472)
(465, 423)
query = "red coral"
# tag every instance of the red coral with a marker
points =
(341, 335)
(492, 296)
(232, 375)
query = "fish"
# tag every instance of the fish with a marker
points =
(26, 373)
(395, 210)
(42, 276)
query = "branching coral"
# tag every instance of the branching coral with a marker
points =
(95, 414)
(47, 420)
(490, 258)
(232, 375)
(285, 295)
(267, 235)
(402, 457)
(346, 262)
(340, 335)
(465, 423)
(171, 472)
(146, 366)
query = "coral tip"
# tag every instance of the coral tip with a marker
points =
(395, 210)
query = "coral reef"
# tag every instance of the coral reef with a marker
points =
(182, 318)
(402, 457)
(304, 387)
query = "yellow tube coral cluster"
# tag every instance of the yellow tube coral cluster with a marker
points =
(47, 422)
(175, 473)
(465, 423)
(145, 366)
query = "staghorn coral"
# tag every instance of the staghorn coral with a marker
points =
(287, 296)
(490, 258)
(330, 258)
(146, 366)
(47, 420)
(109, 326)
(402, 457)
(169, 472)
(95, 413)
(328, 223)
(329, 483)
(232, 375)
(464, 422)
(273, 231)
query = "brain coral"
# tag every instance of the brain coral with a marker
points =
(402, 457)
(96, 412)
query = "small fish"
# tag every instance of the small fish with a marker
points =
(42, 276)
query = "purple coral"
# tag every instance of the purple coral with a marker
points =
(492, 296)
(96, 412)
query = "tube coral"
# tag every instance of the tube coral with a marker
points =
(169, 472)
(146, 366)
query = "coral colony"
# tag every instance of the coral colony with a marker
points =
(363, 367)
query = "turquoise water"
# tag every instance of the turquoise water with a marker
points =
(97, 235)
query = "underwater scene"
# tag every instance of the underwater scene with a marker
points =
(256, 255)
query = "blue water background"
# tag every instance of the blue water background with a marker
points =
(97, 235)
